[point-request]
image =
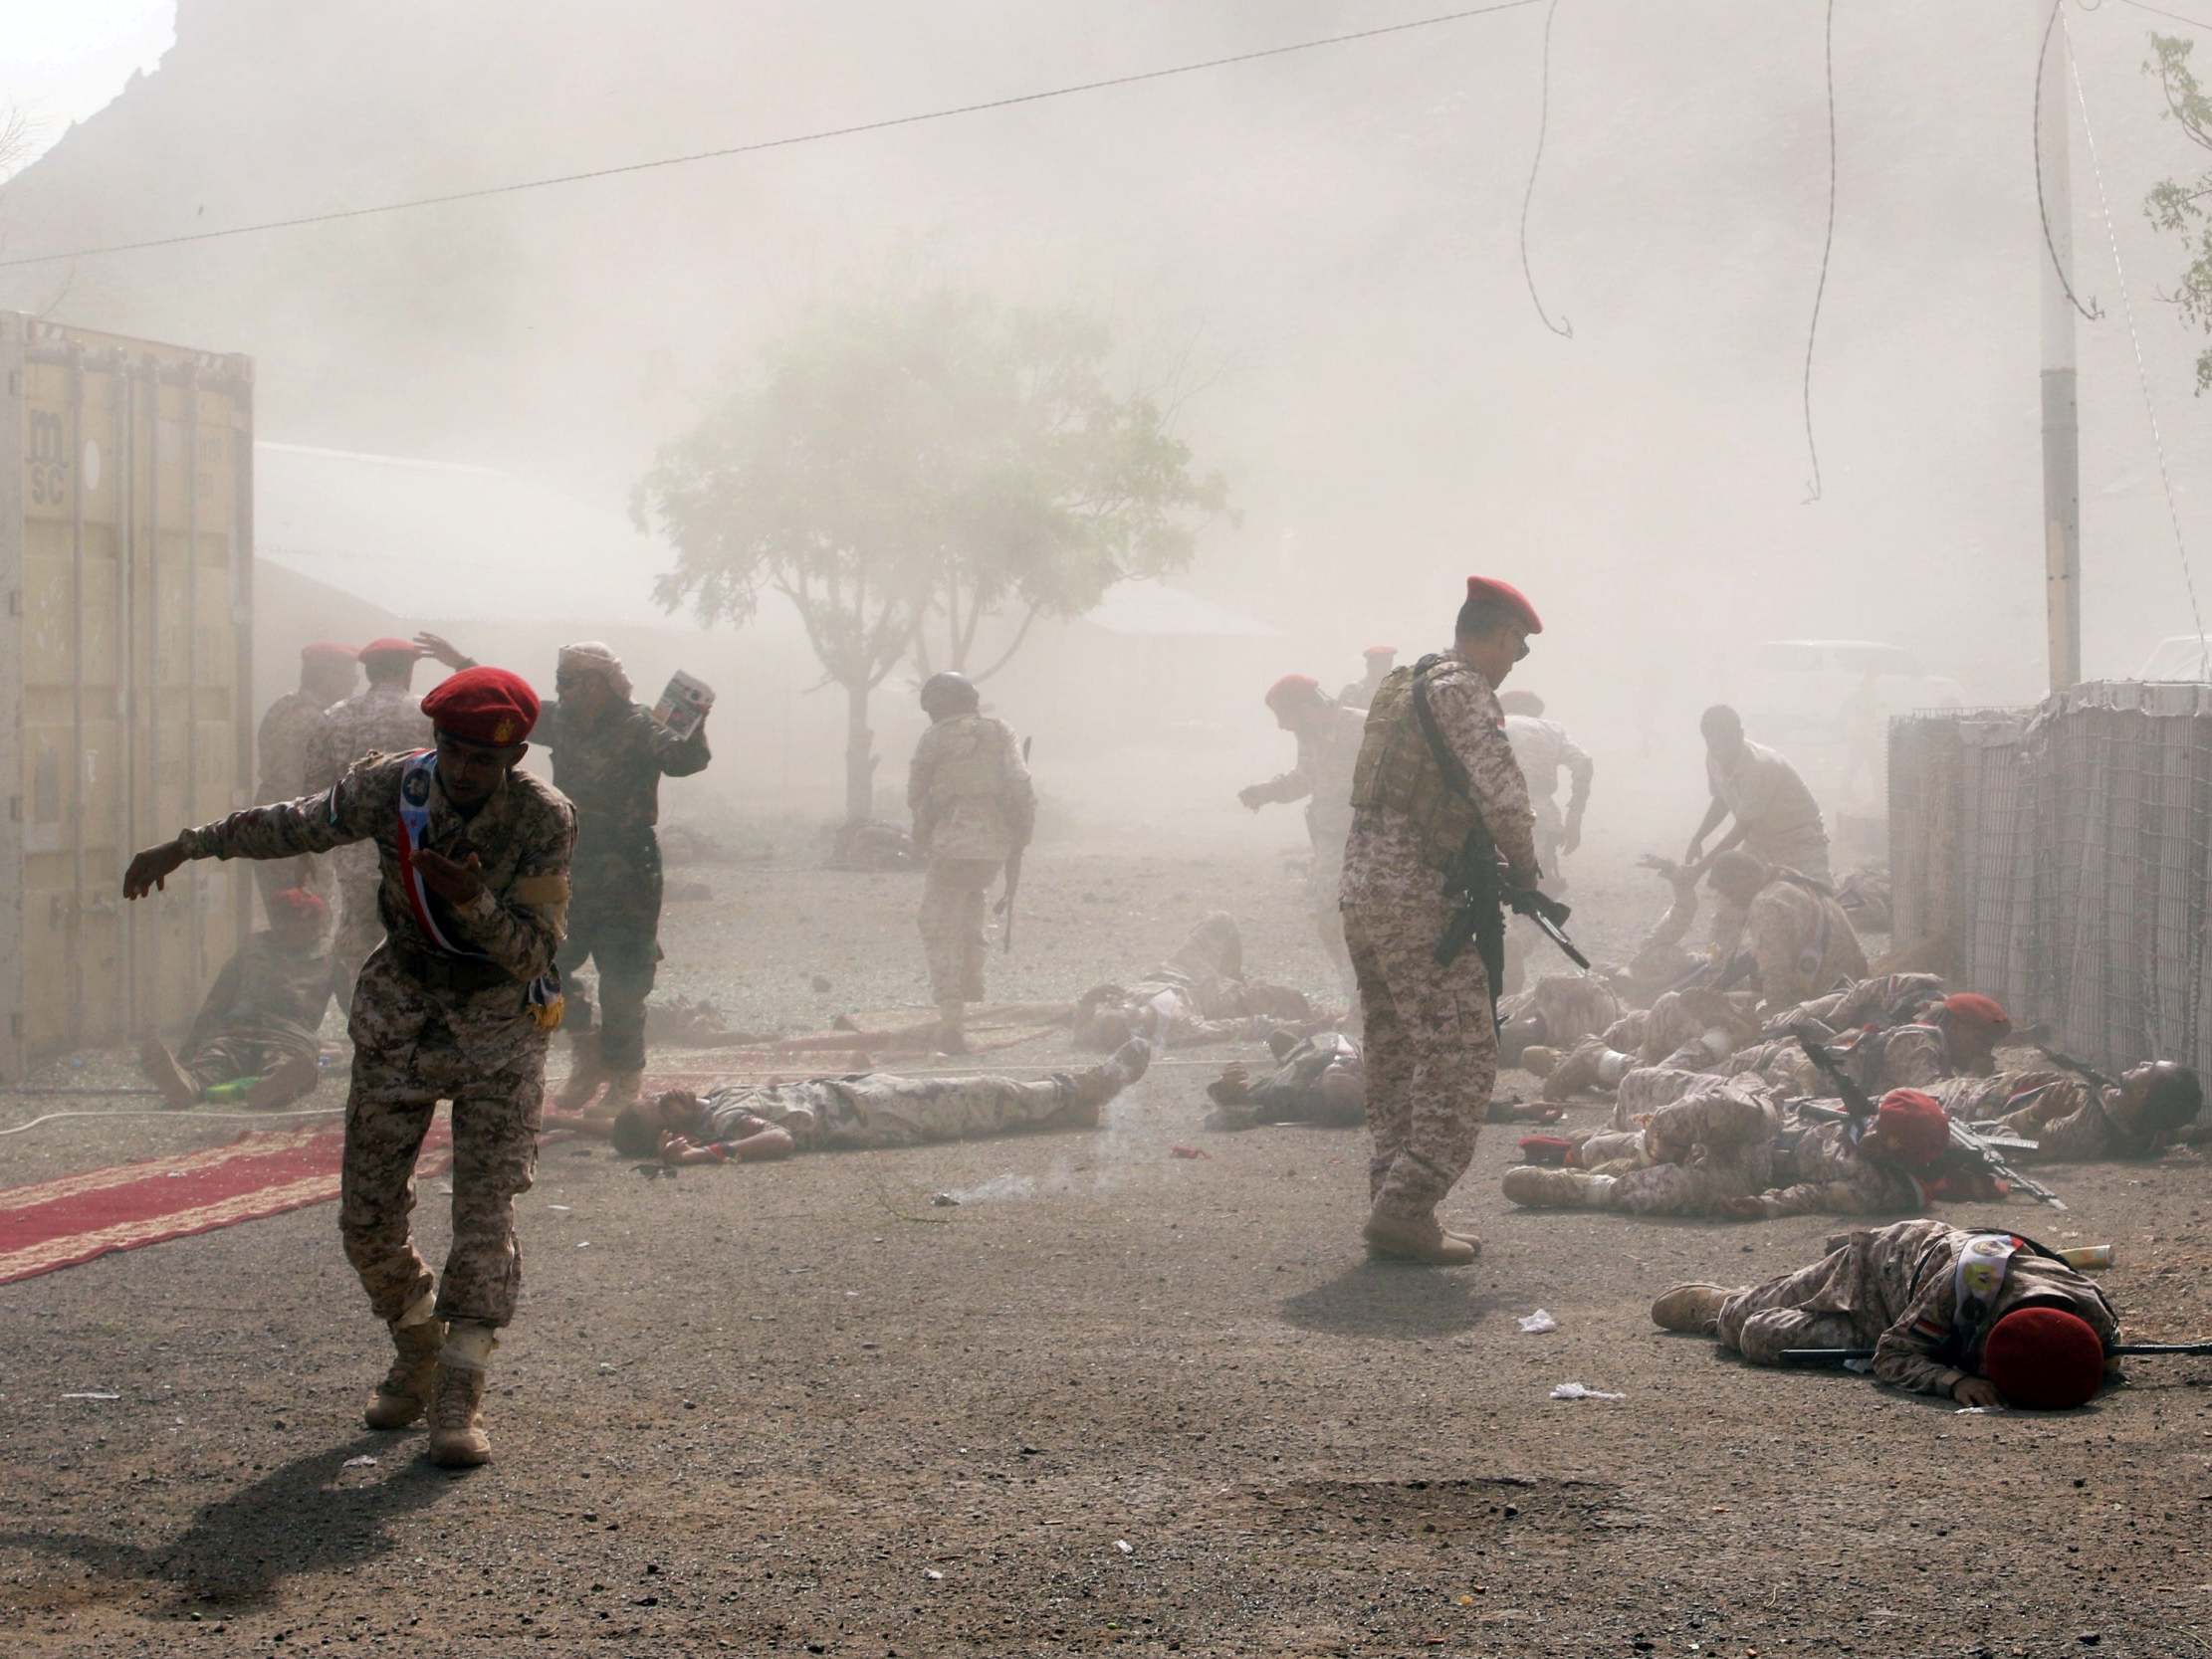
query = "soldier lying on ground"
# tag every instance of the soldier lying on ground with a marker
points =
(2072, 1120)
(748, 1123)
(1955, 1036)
(1726, 1148)
(1322, 1080)
(1555, 1013)
(256, 1030)
(1987, 1319)
(1197, 995)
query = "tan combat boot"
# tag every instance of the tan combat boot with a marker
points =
(404, 1394)
(1556, 1189)
(1414, 1239)
(1692, 1308)
(457, 1437)
(1539, 1060)
(585, 1077)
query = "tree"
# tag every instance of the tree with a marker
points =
(2179, 205)
(893, 461)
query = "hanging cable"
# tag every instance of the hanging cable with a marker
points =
(2155, 11)
(2143, 368)
(1827, 246)
(1563, 327)
(787, 142)
(2091, 312)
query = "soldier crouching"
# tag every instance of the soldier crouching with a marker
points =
(458, 1004)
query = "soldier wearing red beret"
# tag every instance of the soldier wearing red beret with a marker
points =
(457, 1003)
(1987, 1319)
(1434, 766)
(326, 674)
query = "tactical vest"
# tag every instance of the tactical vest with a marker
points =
(968, 768)
(1397, 771)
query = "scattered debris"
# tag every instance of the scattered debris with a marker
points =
(1187, 1151)
(1538, 1322)
(945, 1201)
(1125, 1546)
(1576, 1392)
(931, 1572)
(364, 1461)
(92, 1397)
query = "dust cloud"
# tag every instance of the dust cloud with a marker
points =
(1316, 257)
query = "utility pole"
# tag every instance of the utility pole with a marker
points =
(2062, 469)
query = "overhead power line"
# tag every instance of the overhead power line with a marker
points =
(2161, 11)
(1828, 249)
(788, 142)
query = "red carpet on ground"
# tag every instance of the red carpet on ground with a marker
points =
(60, 1223)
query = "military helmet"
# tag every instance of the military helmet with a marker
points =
(948, 694)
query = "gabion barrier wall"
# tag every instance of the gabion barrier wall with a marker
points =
(2064, 856)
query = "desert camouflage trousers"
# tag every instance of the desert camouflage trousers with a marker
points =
(1788, 1312)
(498, 1093)
(880, 1111)
(951, 924)
(1431, 1052)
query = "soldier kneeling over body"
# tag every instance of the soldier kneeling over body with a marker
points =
(1988, 1318)
(750, 1122)
(255, 1032)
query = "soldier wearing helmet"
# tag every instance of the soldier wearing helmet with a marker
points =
(974, 812)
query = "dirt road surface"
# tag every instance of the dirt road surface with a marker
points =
(1114, 1401)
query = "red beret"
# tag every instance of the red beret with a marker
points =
(2045, 1358)
(487, 706)
(1914, 1125)
(389, 647)
(1977, 1009)
(299, 902)
(1380, 651)
(325, 648)
(1292, 685)
(1494, 592)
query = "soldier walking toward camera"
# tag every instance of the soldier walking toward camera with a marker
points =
(608, 757)
(1421, 787)
(974, 813)
(457, 1003)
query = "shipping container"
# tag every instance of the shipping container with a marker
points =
(126, 668)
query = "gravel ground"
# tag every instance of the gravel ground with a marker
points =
(1116, 1400)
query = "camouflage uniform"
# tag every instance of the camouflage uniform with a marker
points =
(1770, 803)
(1561, 1009)
(1895, 1290)
(1542, 750)
(1823, 1173)
(281, 747)
(428, 1026)
(1328, 747)
(842, 1114)
(264, 1008)
(2063, 1114)
(1431, 1044)
(610, 770)
(974, 808)
(1714, 1142)
(1800, 939)
(384, 719)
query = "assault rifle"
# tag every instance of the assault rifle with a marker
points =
(2080, 1068)
(1474, 883)
(1983, 1151)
